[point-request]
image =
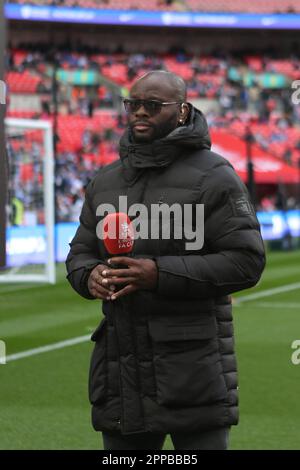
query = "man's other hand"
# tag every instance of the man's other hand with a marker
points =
(136, 274)
(95, 286)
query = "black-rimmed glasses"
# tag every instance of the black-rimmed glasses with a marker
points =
(152, 107)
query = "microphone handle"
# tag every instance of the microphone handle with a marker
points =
(117, 266)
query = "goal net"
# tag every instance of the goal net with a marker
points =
(30, 253)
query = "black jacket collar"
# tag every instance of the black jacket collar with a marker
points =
(160, 153)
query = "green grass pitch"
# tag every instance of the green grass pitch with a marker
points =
(44, 402)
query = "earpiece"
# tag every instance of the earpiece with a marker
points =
(181, 121)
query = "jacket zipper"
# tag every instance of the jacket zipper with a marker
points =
(137, 369)
(119, 420)
(132, 326)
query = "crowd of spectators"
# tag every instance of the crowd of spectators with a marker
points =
(222, 78)
(84, 140)
(25, 156)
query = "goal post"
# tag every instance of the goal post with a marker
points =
(30, 244)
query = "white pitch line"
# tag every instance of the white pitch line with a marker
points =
(49, 347)
(281, 305)
(268, 292)
(17, 288)
(83, 339)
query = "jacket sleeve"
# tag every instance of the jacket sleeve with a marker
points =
(84, 253)
(234, 256)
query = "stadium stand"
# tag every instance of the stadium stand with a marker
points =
(255, 6)
(152, 5)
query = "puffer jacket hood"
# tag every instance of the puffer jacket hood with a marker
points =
(161, 152)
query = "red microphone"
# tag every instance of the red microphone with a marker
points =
(118, 234)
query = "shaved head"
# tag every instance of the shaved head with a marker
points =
(169, 79)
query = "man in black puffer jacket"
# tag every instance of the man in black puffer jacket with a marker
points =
(164, 360)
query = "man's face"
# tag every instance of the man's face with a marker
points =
(144, 126)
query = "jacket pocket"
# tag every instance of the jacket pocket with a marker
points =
(187, 362)
(98, 366)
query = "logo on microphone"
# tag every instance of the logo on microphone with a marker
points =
(119, 227)
(125, 230)
(126, 236)
(117, 232)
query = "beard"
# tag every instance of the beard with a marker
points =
(154, 132)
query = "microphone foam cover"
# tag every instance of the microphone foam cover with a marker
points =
(118, 233)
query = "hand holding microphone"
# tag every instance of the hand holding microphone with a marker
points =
(125, 271)
(95, 286)
(118, 237)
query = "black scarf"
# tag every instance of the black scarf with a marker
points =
(160, 153)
